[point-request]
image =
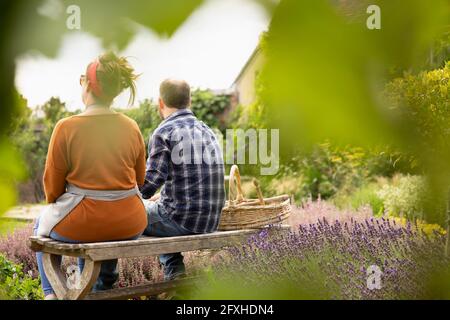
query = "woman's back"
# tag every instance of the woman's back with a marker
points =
(97, 152)
(104, 152)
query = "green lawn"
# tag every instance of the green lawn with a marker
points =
(8, 225)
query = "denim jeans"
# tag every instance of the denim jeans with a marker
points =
(159, 225)
(108, 271)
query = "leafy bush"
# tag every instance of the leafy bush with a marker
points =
(15, 284)
(14, 248)
(423, 99)
(208, 107)
(290, 185)
(30, 134)
(253, 116)
(403, 197)
(366, 195)
(146, 116)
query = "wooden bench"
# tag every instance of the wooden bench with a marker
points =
(95, 253)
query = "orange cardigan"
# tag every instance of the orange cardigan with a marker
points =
(98, 152)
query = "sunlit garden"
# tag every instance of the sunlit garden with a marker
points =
(363, 118)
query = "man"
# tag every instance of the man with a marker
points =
(186, 161)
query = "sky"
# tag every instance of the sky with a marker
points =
(208, 51)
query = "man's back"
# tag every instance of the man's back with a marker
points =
(185, 156)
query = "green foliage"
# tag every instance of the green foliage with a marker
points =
(12, 169)
(344, 173)
(253, 116)
(327, 169)
(424, 99)
(366, 195)
(294, 185)
(14, 284)
(403, 197)
(30, 134)
(440, 51)
(208, 107)
(325, 85)
(146, 116)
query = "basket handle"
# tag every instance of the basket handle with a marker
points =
(259, 192)
(235, 185)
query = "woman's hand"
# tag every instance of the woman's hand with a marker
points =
(156, 197)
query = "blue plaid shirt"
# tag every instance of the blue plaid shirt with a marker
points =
(186, 161)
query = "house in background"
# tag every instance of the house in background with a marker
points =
(244, 85)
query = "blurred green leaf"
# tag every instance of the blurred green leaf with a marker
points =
(40, 25)
(11, 170)
(325, 69)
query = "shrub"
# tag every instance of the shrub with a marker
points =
(329, 260)
(208, 106)
(131, 271)
(14, 248)
(422, 100)
(293, 186)
(366, 195)
(328, 169)
(403, 197)
(15, 284)
(146, 116)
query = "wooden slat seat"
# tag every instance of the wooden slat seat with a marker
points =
(95, 253)
(144, 246)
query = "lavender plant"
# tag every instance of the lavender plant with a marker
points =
(325, 260)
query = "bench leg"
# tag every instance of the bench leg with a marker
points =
(59, 282)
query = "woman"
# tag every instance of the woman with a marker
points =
(95, 163)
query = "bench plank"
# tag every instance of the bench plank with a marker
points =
(144, 246)
(49, 243)
(178, 244)
(94, 253)
(146, 290)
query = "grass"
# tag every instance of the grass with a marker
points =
(9, 225)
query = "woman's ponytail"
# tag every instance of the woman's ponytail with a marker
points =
(114, 75)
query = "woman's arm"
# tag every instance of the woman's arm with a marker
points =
(56, 165)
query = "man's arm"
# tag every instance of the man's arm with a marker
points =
(157, 166)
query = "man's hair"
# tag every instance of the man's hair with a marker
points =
(175, 93)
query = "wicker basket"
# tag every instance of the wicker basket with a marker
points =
(240, 213)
